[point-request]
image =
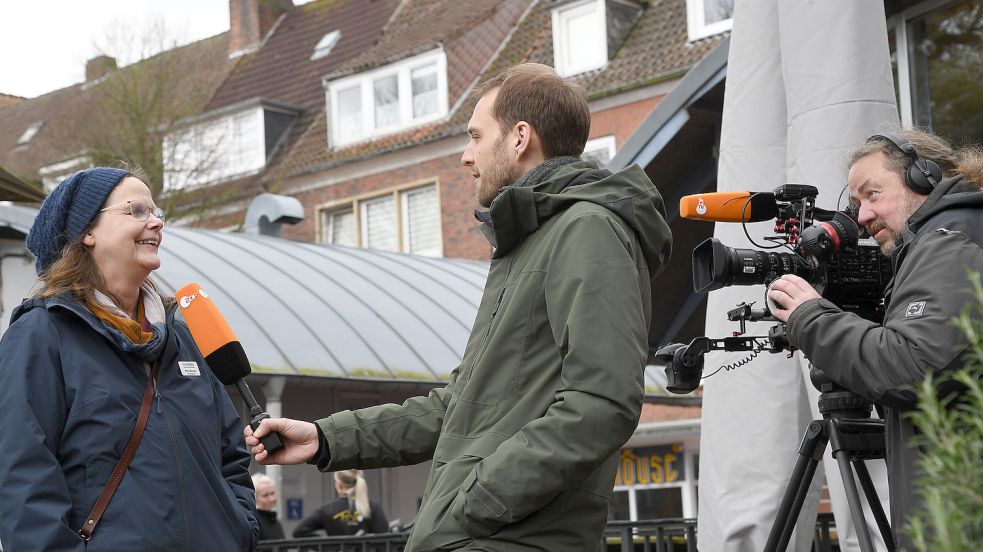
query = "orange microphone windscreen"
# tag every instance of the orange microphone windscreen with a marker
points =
(729, 206)
(207, 325)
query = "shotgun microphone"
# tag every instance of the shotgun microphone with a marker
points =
(729, 206)
(222, 351)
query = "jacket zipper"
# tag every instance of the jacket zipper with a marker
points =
(491, 319)
(180, 479)
(174, 447)
(160, 409)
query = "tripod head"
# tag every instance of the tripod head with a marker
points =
(836, 401)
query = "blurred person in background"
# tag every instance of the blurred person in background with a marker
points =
(351, 514)
(269, 527)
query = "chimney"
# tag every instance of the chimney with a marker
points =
(250, 20)
(98, 67)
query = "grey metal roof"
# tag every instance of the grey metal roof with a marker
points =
(302, 308)
(307, 309)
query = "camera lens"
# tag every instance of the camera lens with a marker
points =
(716, 266)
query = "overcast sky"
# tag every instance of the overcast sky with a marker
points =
(44, 44)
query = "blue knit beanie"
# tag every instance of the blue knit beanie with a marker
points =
(68, 211)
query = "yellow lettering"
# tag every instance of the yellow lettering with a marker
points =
(643, 470)
(671, 474)
(627, 469)
(655, 462)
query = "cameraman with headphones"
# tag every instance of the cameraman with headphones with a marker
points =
(921, 201)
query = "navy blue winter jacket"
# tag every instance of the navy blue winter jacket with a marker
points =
(69, 398)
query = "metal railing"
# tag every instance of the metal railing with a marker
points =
(660, 535)
(385, 542)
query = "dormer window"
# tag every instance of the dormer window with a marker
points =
(587, 33)
(708, 17)
(30, 133)
(325, 45)
(229, 143)
(579, 37)
(389, 99)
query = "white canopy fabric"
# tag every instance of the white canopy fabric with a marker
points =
(806, 82)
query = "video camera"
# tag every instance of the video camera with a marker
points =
(824, 249)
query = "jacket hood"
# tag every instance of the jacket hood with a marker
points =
(520, 210)
(952, 193)
(61, 302)
(55, 303)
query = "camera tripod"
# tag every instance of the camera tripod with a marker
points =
(854, 437)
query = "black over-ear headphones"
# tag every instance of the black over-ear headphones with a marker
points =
(922, 175)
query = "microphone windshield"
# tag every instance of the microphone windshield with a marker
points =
(729, 206)
(213, 335)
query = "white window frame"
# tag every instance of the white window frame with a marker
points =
(326, 44)
(404, 208)
(398, 193)
(29, 133)
(215, 150)
(602, 143)
(53, 174)
(363, 229)
(328, 227)
(696, 24)
(562, 38)
(899, 24)
(402, 69)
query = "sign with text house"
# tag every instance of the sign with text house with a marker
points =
(651, 465)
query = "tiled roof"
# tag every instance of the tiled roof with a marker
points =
(51, 143)
(68, 114)
(470, 32)
(656, 49)
(7, 99)
(479, 37)
(283, 70)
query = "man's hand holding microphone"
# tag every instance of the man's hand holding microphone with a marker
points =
(270, 440)
(301, 441)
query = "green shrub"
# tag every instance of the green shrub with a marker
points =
(951, 437)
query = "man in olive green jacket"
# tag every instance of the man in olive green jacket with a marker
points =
(524, 437)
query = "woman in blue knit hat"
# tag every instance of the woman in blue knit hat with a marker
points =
(116, 435)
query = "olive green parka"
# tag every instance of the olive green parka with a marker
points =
(525, 435)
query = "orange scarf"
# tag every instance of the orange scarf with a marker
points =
(132, 329)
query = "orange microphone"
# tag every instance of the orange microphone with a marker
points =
(729, 206)
(222, 351)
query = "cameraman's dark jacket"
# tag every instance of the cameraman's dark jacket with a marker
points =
(525, 436)
(884, 362)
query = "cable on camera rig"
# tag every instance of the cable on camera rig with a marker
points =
(684, 363)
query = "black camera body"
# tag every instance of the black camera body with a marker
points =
(824, 249)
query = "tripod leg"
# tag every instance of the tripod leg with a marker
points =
(810, 451)
(875, 504)
(853, 498)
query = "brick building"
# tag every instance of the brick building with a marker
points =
(358, 108)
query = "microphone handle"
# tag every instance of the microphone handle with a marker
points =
(272, 440)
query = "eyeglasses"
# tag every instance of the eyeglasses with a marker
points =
(139, 210)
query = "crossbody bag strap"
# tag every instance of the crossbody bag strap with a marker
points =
(131, 449)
